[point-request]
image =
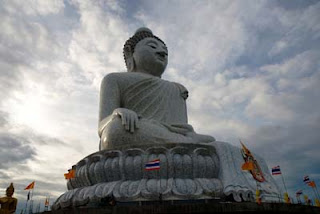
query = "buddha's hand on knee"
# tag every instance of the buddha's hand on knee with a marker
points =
(129, 118)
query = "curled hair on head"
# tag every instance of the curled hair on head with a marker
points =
(131, 43)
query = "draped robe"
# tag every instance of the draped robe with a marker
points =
(159, 104)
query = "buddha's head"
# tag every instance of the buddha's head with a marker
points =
(10, 190)
(146, 53)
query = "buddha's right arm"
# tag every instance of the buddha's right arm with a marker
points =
(109, 100)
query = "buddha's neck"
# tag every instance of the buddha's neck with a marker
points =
(147, 73)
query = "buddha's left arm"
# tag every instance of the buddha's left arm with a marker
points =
(14, 206)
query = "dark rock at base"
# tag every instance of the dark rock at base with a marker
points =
(197, 206)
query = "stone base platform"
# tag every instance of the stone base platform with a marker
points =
(187, 172)
(190, 206)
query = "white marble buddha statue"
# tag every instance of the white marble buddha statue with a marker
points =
(138, 107)
(143, 117)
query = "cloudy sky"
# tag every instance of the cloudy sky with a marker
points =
(252, 69)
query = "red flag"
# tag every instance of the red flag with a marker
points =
(30, 186)
(312, 184)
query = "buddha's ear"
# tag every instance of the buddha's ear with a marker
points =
(130, 64)
(129, 59)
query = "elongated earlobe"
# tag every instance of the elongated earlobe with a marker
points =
(130, 64)
(129, 59)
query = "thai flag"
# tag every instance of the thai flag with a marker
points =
(306, 179)
(153, 165)
(276, 170)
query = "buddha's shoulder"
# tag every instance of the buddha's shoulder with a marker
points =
(115, 75)
(129, 78)
(180, 86)
(126, 77)
(113, 78)
(123, 75)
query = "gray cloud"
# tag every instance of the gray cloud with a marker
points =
(4, 176)
(33, 7)
(3, 119)
(23, 160)
(294, 147)
(14, 151)
(294, 141)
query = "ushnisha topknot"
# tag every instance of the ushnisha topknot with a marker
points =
(131, 43)
(10, 190)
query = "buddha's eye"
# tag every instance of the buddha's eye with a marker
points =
(152, 46)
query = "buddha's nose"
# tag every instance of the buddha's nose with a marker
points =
(162, 53)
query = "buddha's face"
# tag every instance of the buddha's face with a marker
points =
(150, 56)
(9, 192)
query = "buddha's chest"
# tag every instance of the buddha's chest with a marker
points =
(155, 99)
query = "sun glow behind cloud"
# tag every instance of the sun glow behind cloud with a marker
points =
(31, 108)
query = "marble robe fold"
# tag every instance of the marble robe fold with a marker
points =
(160, 105)
(155, 99)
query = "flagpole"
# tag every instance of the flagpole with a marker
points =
(317, 190)
(46, 207)
(160, 184)
(298, 199)
(31, 207)
(284, 184)
(318, 198)
(48, 203)
(314, 191)
(32, 200)
(160, 191)
(32, 194)
(25, 210)
(45, 204)
(258, 197)
(160, 181)
(38, 208)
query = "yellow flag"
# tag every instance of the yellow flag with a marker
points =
(70, 174)
(258, 198)
(317, 202)
(287, 198)
(247, 166)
